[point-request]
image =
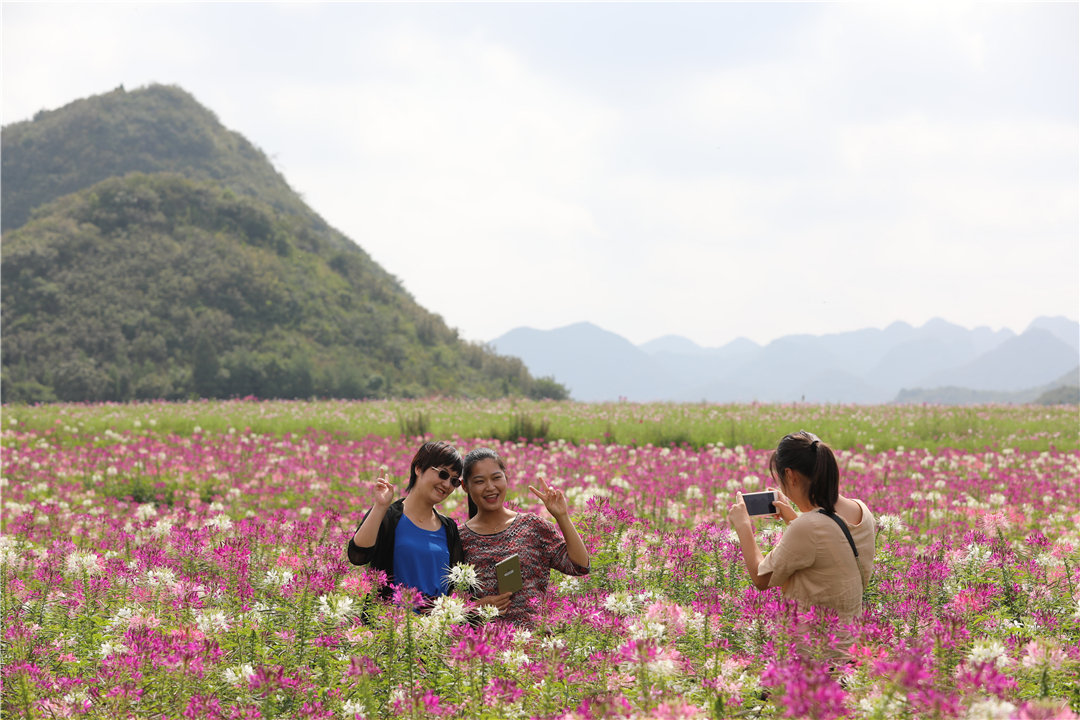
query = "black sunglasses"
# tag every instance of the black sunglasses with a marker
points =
(445, 475)
(808, 435)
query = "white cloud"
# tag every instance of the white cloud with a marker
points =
(883, 162)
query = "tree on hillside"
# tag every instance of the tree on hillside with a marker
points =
(204, 372)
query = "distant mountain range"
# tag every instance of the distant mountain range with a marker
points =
(938, 362)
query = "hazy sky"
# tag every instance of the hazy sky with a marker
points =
(704, 170)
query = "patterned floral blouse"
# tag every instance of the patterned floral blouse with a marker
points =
(539, 546)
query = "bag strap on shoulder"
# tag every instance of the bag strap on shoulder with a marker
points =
(843, 526)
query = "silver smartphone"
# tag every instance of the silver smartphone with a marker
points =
(760, 503)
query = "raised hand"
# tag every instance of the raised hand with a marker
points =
(553, 499)
(738, 516)
(384, 491)
(783, 505)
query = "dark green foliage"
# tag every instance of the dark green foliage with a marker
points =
(1065, 395)
(204, 373)
(546, 388)
(523, 427)
(416, 425)
(154, 286)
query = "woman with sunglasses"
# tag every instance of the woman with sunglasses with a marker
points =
(826, 555)
(408, 540)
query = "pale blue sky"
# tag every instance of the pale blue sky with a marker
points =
(704, 170)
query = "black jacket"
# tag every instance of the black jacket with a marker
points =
(381, 554)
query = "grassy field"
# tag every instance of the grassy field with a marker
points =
(875, 427)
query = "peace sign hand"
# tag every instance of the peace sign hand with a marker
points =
(553, 498)
(384, 491)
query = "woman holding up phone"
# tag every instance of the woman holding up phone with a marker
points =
(493, 533)
(826, 555)
(408, 540)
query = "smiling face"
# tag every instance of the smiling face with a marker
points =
(486, 485)
(431, 487)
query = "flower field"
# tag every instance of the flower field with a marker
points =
(184, 560)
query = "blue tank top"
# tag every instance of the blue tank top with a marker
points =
(421, 557)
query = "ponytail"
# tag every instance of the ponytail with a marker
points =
(809, 456)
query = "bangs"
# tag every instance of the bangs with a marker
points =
(437, 454)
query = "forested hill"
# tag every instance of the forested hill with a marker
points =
(159, 128)
(184, 266)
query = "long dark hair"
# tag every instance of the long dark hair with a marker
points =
(806, 454)
(471, 458)
(433, 454)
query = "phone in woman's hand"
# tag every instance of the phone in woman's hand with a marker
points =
(759, 504)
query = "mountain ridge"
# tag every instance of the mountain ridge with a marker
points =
(868, 365)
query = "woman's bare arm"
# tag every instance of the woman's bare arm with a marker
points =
(740, 521)
(556, 504)
(368, 531)
(575, 546)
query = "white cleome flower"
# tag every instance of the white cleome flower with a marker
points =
(449, 609)
(79, 563)
(488, 612)
(121, 620)
(647, 631)
(514, 658)
(570, 585)
(989, 651)
(277, 578)
(145, 511)
(976, 556)
(352, 708)
(990, 710)
(240, 675)
(620, 603)
(161, 528)
(219, 522)
(463, 575)
(335, 608)
(212, 621)
(161, 577)
(110, 648)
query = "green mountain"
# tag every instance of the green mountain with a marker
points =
(159, 128)
(183, 265)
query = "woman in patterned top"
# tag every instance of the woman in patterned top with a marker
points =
(494, 532)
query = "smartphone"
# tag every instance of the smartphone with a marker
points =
(760, 503)
(508, 572)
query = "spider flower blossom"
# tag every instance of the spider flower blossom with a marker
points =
(463, 577)
(226, 587)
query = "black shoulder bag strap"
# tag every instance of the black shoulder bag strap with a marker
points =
(847, 533)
